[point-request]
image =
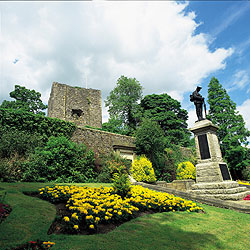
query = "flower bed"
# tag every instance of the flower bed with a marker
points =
(90, 207)
(36, 245)
(5, 210)
(243, 182)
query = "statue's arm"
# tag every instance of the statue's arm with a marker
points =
(197, 96)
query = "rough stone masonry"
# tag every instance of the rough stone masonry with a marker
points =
(79, 105)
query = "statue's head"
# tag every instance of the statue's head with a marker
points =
(198, 88)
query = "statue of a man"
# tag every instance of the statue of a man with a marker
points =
(198, 100)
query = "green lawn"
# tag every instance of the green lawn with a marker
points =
(217, 229)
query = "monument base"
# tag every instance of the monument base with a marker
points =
(226, 190)
(213, 179)
(212, 171)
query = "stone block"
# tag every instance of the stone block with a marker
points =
(216, 185)
(79, 105)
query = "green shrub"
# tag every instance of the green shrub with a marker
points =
(34, 123)
(246, 173)
(185, 170)
(142, 170)
(111, 164)
(18, 142)
(60, 160)
(11, 169)
(149, 140)
(121, 183)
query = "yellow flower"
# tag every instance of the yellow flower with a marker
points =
(49, 243)
(89, 217)
(119, 213)
(74, 215)
(66, 218)
(91, 226)
(106, 217)
(76, 227)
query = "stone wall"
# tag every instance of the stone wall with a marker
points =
(102, 142)
(79, 105)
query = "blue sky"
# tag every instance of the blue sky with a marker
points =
(227, 22)
(169, 47)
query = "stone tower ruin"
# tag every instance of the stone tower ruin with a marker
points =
(79, 105)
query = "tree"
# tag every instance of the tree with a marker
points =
(150, 141)
(27, 100)
(122, 102)
(170, 116)
(232, 132)
(115, 125)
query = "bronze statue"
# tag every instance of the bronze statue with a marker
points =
(199, 101)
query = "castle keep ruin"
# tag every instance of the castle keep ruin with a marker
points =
(83, 107)
(79, 105)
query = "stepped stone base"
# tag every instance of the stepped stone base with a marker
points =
(226, 190)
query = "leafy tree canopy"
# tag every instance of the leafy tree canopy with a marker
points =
(115, 125)
(27, 100)
(122, 102)
(223, 113)
(232, 132)
(149, 140)
(170, 116)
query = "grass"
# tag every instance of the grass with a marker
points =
(217, 229)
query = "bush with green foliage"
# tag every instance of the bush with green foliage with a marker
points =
(115, 125)
(11, 168)
(246, 173)
(142, 170)
(16, 142)
(170, 116)
(15, 147)
(238, 160)
(174, 156)
(60, 160)
(121, 183)
(35, 123)
(111, 164)
(185, 170)
(149, 140)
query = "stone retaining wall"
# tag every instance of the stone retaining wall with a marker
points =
(102, 142)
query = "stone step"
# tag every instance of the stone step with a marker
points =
(215, 185)
(238, 196)
(234, 190)
(206, 179)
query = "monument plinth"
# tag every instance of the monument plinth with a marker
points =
(210, 167)
(213, 178)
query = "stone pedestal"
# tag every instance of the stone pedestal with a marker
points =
(213, 178)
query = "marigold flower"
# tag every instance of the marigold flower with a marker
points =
(91, 226)
(66, 218)
(76, 227)
(97, 219)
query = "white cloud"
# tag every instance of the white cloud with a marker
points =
(244, 111)
(192, 117)
(154, 42)
(241, 79)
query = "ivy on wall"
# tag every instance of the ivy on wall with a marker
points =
(35, 123)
